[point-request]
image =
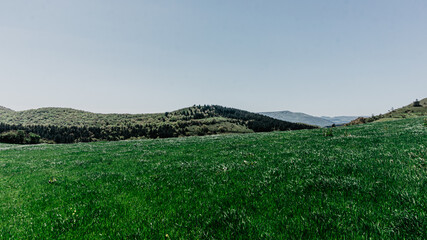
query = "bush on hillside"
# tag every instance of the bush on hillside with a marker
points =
(19, 137)
(328, 133)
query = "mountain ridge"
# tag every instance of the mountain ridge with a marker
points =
(298, 117)
(70, 125)
(340, 120)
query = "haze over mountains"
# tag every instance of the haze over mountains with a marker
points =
(297, 117)
(340, 120)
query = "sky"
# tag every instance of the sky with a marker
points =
(329, 57)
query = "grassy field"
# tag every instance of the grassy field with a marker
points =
(365, 181)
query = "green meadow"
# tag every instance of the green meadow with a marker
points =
(358, 182)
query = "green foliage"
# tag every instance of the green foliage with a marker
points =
(328, 132)
(34, 138)
(69, 126)
(5, 110)
(367, 182)
(19, 137)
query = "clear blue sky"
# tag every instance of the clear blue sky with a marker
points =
(326, 57)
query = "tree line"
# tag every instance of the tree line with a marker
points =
(257, 122)
(164, 128)
(60, 134)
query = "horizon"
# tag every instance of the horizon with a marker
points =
(328, 58)
(84, 110)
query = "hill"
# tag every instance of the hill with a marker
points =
(64, 125)
(297, 117)
(72, 117)
(5, 109)
(364, 182)
(407, 111)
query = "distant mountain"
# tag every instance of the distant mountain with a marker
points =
(340, 120)
(70, 125)
(297, 117)
(415, 109)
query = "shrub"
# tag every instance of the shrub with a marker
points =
(328, 133)
(19, 137)
(34, 138)
(202, 131)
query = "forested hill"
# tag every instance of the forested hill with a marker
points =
(72, 117)
(64, 125)
(5, 109)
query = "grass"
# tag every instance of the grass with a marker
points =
(408, 111)
(365, 181)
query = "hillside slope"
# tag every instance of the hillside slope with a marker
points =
(70, 125)
(364, 182)
(73, 117)
(5, 110)
(297, 117)
(407, 111)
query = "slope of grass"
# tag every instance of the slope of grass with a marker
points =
(408, 111)
(364, 181)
